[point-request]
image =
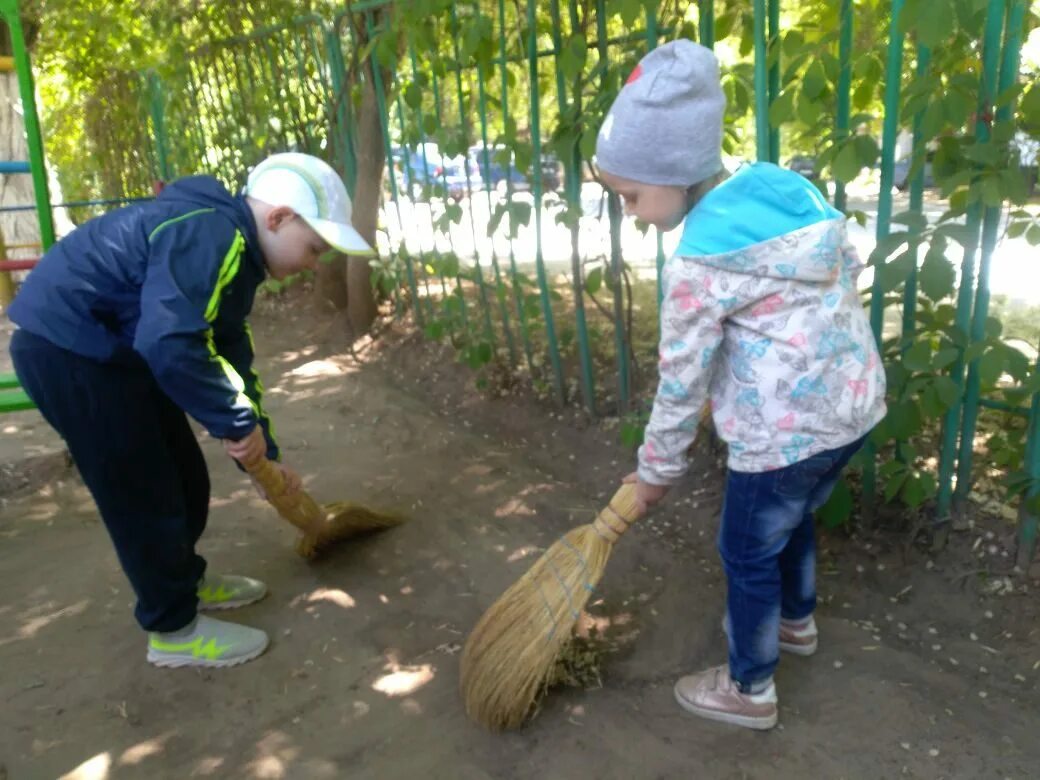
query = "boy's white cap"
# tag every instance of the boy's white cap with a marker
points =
(311, 188)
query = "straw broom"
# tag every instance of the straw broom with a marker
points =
(512, 649)
(320, 526)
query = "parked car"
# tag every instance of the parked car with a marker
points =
(901, 173)
(494, 174)
(461, 177)
(415, 173)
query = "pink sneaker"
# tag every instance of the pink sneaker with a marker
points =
(712, 694)
(799, 637)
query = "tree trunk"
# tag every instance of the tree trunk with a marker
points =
(348, 282)
(371, 157)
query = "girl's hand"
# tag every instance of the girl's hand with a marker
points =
(647, 495)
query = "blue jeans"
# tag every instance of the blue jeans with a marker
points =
(768, 547)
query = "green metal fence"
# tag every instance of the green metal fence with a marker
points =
(498, 238)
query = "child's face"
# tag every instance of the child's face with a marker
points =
(662, 206)
(289, 244)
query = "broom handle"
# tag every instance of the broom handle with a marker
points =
(298, 508)
(618, 515)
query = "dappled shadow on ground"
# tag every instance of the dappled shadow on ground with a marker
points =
(361, 677)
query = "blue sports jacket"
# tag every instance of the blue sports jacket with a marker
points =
(170, 283)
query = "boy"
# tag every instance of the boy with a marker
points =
(761, 315)
(139, 316)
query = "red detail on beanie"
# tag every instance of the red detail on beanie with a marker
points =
(635, 74)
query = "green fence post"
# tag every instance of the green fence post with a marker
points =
(990, 231)
(384, 125)
(963, 319)
(536, 188)
(774, 76)
(651, 44)
(31, 119)
(614, 216)
(514, 273)
(1028, 516)
(444, 183)
(572, 191)
(916, 206)
(893, 70)
(706, 22)
(478, 271)
(156, 105)
(844, 90)
(761, 84)
(341, 103)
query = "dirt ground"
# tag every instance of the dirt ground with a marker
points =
(928, 665)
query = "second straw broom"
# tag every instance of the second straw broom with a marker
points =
(514, 646)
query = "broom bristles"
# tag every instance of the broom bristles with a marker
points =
(515, 644)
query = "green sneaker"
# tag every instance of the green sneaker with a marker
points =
(227, 591)
(207, 642)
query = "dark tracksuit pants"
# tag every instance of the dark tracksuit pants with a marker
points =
(139, 457)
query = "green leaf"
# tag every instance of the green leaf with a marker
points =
(904, 419)
(808, 110)
(782, 108)
(838, 508)
(594, 281)
(944, 357)
(413, 95)
(991, 366)
(937, 275)
(918, 489)
(866, 150)
(846, 165)
(890, 468)
(814, 82)
(919, 357)
(992, 192)
(895, 484)
(895, 272)
(863, 95)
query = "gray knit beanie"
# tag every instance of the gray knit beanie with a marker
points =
(665, 126)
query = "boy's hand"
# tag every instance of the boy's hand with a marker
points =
(248, 450)
(291, 481)
(646, 494)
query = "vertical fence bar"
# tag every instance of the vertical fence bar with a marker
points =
(1028, 516)
(514, 273)
(390, 170)
(341, 104)
(774, 76)
(425, 187)
(917, 207)
(384, 122)
(893, 70)
(624, 383)
(963, 318)
(496, 270)
(478, 270)
(993, 85)
(157, 106)
(651, 44)
(31, 120)
(761, 84)
(572, 192)
(706, 22)
(844, 91)
(536, 188)
(459, 290)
